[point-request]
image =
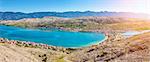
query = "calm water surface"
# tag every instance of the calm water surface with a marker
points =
(51, 37)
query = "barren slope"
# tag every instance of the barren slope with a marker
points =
(134, 49)
(11, 53)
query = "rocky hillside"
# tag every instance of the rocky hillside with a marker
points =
(134, 49)
(17, 51)
(83, 23)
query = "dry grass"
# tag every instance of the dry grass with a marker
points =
(136, 25)
(134, 49)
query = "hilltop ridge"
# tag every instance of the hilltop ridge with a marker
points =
(69, 14)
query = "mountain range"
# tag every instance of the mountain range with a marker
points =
(69, 14)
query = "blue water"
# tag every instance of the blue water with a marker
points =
(51, 37)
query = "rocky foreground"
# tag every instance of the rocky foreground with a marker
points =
(18, 51)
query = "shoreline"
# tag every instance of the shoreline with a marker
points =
(29, 44)
(90, 44)
(128, 34)
(96, 43)
(9, 41)
(46, 46)
(82, 46)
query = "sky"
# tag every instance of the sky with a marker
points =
(27, 6)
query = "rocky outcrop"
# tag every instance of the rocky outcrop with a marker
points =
(17, 51)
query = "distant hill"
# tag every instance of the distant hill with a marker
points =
(70, 14)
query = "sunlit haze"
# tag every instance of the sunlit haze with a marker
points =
(136, 6)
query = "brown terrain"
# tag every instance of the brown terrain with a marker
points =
(15, 53)
(116, 48)
(134, 49)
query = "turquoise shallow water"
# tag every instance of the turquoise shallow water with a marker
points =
(51, 37)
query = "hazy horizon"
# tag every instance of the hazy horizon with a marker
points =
(30, 6)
